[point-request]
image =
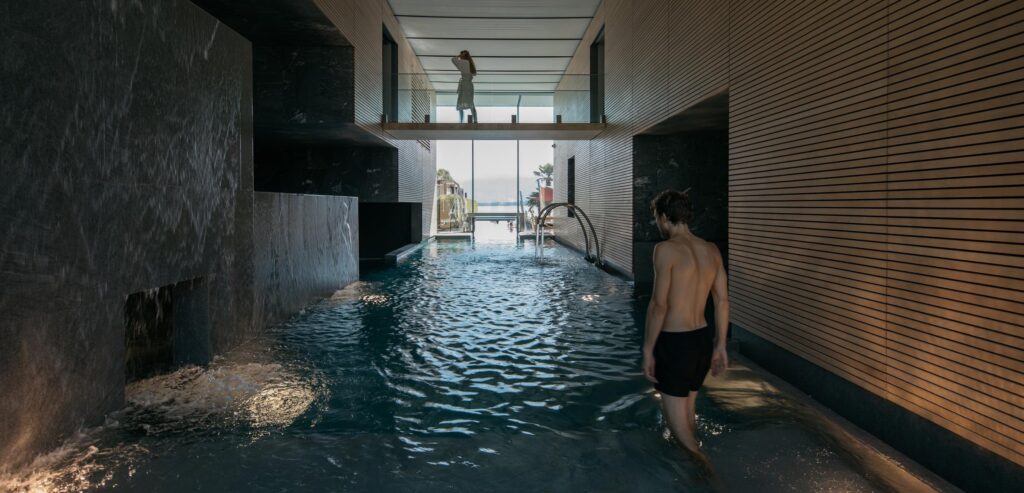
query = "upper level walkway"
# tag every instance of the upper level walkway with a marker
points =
(493, 131)
(493, 216)
(511, 106)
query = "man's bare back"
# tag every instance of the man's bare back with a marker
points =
(692, 266)
(679, 347)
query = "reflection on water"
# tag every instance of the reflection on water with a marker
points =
(258, 395)
(470, 367)
(77, 465)
(494, 232)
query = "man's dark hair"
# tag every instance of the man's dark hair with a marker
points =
(675, 205)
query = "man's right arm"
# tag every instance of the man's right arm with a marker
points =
(657, 310)
(720, 295)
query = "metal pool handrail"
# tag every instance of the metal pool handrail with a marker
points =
(540, 230)
(547, 210)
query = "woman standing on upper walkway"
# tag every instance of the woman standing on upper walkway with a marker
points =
(464, 62)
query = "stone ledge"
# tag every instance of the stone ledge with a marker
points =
(397, 255)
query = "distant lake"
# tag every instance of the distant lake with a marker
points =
(498, 208)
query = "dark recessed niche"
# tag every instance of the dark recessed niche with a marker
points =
(386, 226)
(688, 151)
(166, 327)
(148, 333)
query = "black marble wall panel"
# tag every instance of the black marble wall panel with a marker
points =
(303, 86)
(276, 22)
(126, 166)
(697, 161)
(370, 173)
(306, 139)
(307, 246)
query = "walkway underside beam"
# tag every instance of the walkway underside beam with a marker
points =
(493, 131)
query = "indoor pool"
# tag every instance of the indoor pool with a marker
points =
(469, 367)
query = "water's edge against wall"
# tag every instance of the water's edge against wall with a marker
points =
(306, 247)
(955, 459)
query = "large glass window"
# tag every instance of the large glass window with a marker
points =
(454, 187)
(477, 183)
(495, 190)
(536, 177)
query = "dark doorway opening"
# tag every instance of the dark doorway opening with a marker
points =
(597, 78)
(689, 150)
(389, 77)
(570, 193)
(385, 227)
(166, 327)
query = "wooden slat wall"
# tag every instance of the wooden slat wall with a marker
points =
(577, 108)
(646, 81)
(876, 221)
(955, 217)
(360, 22)
(807, 181)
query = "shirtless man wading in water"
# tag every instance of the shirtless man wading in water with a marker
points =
(679, 347)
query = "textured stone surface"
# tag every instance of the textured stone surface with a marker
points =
(276, 22)
(306, 248)
(300, 86)
(126, 166)
(369, 173)
(694, 160)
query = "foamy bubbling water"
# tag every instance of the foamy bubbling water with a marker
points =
(260, 396)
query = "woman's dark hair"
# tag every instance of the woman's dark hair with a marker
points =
(675, 205)
(466, 56)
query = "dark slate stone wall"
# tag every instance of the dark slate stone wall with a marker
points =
(695, 160)
(127, 166)
(306, 248)
(303, 86)
(369, 173)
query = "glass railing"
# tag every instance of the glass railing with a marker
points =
(500, 97)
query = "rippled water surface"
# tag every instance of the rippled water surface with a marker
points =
(467, 368)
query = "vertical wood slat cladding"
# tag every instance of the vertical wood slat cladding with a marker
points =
(361, 21)
(876, 183)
